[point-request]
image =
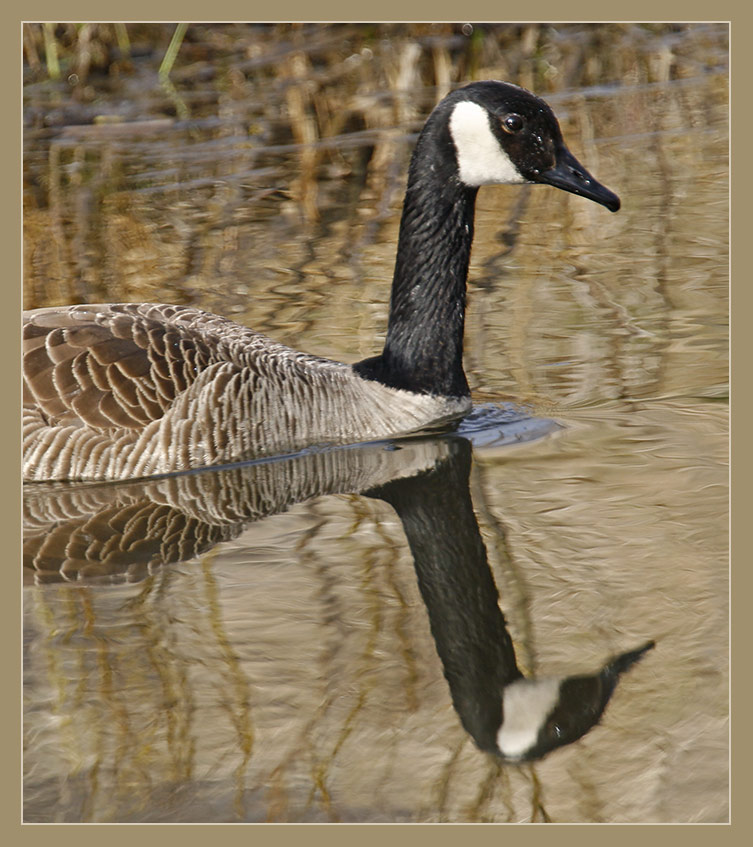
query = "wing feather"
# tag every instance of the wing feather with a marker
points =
(108, 366)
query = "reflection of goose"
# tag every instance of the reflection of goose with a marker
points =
(516, 718)
(124, 531)
(130, 390)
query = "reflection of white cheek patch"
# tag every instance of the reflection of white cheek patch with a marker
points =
(481, 160)
(527, 704)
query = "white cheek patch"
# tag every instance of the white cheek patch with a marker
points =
(526, 704)
(481, 159)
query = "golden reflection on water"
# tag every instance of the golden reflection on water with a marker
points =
(289, 673)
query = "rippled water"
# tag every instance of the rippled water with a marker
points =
(293, 660)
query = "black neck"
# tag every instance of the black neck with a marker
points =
(424, 347)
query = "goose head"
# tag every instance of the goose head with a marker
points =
(502, 133)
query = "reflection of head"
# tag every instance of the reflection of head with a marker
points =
(539, 715)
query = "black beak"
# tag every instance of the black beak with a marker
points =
(569, 175)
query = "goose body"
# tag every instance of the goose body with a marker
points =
(120, 391)
(140, 389)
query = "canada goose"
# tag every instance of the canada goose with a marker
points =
(121, 391)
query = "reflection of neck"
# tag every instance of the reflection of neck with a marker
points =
(458, 589)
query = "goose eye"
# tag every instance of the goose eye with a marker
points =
(512, 123)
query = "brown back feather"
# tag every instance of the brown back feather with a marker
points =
(109, 366)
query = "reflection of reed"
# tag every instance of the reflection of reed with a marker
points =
(235, 694)
(131, 723)
(127, 716)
